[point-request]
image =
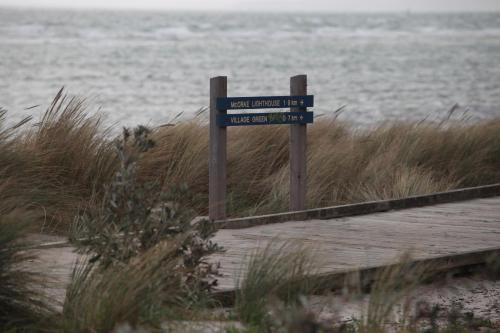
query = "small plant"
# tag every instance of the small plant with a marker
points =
(147, 258)
(277, 273)
(136, 216)
(392, 287)
(294, 318)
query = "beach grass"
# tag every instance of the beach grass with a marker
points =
(144, 291)
(58, 165)
(278, 272)
(65, 165)
(345, 164)
(61, 164)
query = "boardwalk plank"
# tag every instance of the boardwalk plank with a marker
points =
(341, 244)
(371, 240)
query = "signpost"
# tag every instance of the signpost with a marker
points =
(297, 118)
(298, 149)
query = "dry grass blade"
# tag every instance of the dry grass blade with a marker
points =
(278, 271)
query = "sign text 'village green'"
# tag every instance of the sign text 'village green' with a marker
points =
(269, 118)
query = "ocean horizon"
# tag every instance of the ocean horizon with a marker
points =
(147, 67)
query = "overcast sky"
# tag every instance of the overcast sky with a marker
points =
(263, 5)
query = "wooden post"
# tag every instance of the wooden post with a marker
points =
(298, 149)
(218, 155)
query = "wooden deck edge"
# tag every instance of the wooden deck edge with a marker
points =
(365, 277)
(363, 208)
(341, 211)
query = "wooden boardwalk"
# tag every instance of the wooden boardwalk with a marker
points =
(361, 242)
(459, 233)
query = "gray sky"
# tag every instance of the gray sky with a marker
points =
(301, 5)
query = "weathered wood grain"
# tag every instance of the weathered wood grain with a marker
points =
(298, 149)
(352, 243)
(218, 152)
(449, 235)
(364, 208)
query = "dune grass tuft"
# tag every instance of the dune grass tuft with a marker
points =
(57, 165)
(277, 272)
(140, 292)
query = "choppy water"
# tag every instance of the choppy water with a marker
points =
(145, 67)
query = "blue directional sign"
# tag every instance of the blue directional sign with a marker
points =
(264, 102)
(269, 118)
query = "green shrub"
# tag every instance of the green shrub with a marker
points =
(147, 259)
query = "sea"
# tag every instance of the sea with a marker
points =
(154, 67)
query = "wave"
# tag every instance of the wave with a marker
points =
(23, 30)
(175, 31)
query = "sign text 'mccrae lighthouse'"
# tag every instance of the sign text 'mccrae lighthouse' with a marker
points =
(265, 102)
